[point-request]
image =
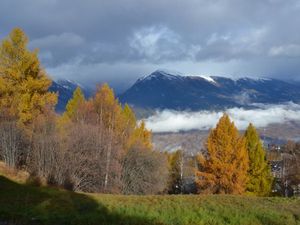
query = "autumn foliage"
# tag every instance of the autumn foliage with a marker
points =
(95, 146)
(105, 136)
(223, 169)
(23, 82)
(259, 173)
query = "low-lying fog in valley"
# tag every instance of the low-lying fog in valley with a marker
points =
(185, 130)
(260, 115)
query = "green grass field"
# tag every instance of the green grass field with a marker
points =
(24, 204)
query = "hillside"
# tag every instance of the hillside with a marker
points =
(193, 141)
(25, 204)
(163, 90)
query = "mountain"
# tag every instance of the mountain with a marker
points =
(164, 90)
(65, 89)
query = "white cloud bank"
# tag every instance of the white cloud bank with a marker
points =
(263, 115)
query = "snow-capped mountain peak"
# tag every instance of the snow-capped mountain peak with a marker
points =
(158, 74)
(68, 84)
(173, 75)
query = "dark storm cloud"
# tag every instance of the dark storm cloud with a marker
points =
(96, 40)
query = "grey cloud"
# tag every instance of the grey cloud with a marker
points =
(156, 43)
(57, 49)
(290, 50)
(236, 37)
(58, 41)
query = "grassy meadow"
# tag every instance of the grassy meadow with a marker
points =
(22, 203)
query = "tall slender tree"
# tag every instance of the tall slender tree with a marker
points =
(223, 169)
(260, 178)
(110, 118)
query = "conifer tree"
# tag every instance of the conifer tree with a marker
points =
(223, 169)
(137, 134)
(74, 105)
(143, 136)
(260, 179)
(23, 82)
(130, 126)
(129, 116)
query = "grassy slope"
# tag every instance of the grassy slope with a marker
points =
(23, 204)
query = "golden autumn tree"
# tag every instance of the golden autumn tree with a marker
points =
(260, 177)
(130, 126)
(129, 116)
(119, 132)
(109, 117)
(74, 105)
(223, 169)
(23, 82)
(142, 135)
(136, 132)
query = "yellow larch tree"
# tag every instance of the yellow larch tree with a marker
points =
(223, 168)
(136, 132)
(74, 105)
(24, 83)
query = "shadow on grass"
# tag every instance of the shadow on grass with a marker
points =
(24, 204)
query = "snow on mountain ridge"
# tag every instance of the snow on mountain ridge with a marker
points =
(208, 78)
(171, 75)
(161, 73)
(66, 83)
(161, 90)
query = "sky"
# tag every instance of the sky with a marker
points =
(118, 41)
